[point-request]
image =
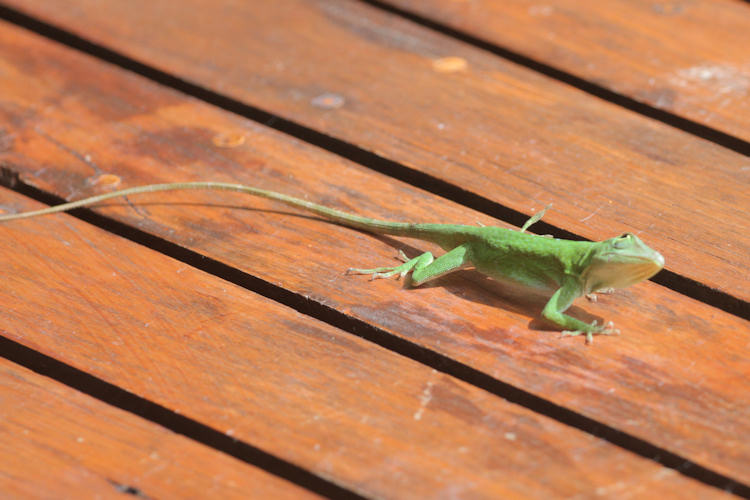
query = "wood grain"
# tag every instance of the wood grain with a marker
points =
(348, 410)
(494, 129)
(691, 58)
(677, 377)
(59, 443)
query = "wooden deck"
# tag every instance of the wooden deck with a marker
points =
(209, 345)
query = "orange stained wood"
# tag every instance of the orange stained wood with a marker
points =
(494, 129)
(59, 443)
(691, 58)
(348, 410)
(678, 361)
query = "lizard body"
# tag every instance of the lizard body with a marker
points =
(566, 269)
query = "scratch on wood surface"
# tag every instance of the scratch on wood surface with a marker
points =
(591, 214)
(726, 83)
(424, 398)
(106, 180)
(228, 140)
(328, 101)
(450, 64)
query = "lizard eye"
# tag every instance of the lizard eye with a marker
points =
(621, 241)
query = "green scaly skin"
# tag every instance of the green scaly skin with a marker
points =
(566, 269)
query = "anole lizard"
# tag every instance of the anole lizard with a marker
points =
(566, 269)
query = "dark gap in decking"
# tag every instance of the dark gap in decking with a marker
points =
(681, 284)
(115, 396)
(371, 333)
(195, 430)
(686, 125)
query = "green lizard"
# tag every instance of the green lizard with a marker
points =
(566, 269)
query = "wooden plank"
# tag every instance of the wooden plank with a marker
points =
(492, 128)
(60, 443)
(678, 376)
(689, 58)
(344, 408)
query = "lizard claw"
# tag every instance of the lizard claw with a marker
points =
(594, 329)
(381, 272)
(389, 274)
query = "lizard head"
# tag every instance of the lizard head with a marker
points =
(620, 262)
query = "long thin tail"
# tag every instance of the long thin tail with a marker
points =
(347, 219)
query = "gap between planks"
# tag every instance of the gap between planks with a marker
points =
(394, 170)
(98, 388)
(676, 282)
(120, 398)
(686, 125)
(714, 135)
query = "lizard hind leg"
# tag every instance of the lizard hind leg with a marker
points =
(400, 271)
(424, 267)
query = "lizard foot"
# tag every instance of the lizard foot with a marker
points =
(382, 272)
(604, 291)
(606, 329)
(399, 271)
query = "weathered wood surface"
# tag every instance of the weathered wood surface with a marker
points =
(348, 410)
(59, 443)
(691, 58)
(678, 377)
(481, 123)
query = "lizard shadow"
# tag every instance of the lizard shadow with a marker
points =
(465, 284)
(481, 289)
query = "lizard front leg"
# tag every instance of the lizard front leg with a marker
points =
(559, 303)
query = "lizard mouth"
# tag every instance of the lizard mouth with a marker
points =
(627, 271)
(647, 268)
(642, 267)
